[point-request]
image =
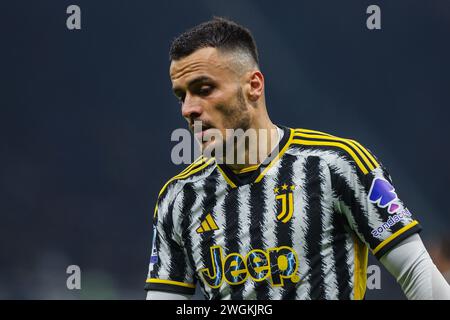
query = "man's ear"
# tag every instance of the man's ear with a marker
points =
(255, 85)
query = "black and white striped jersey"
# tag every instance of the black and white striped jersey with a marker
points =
(297, 227)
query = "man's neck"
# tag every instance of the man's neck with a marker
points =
(255, 153)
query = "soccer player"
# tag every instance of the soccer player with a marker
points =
(298, 225)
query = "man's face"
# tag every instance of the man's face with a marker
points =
(210, 90)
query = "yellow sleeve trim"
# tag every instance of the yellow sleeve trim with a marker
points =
(335, 144)
(395, 235)
(356, 146)
(171, 282)
(193, 168)
(199, 160)
(189, 171)
(186, 174)
(312, 131)
(366, 152)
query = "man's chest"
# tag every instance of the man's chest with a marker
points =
(256, 232)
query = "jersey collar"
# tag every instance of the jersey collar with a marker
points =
(254, 176)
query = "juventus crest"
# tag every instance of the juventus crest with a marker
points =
(285, 199)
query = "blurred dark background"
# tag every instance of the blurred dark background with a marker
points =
(86, 117)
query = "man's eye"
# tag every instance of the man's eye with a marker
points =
(205, 90)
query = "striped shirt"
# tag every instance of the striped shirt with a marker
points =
(297, 227)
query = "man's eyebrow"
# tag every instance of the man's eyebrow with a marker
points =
(200, 79)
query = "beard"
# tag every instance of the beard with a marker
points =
(235, 116)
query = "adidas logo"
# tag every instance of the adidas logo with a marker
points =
(207, 224)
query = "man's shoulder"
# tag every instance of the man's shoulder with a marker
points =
(332, 149)
(192, 173)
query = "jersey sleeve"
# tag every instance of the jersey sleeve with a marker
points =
(367, 197)
(169, 269)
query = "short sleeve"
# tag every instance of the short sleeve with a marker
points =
(367, 197)
(169, 269)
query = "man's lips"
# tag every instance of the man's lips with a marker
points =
(202, 133)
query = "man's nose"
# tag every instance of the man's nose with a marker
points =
(191, 108)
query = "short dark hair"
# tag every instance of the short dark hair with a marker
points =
(218, 33)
